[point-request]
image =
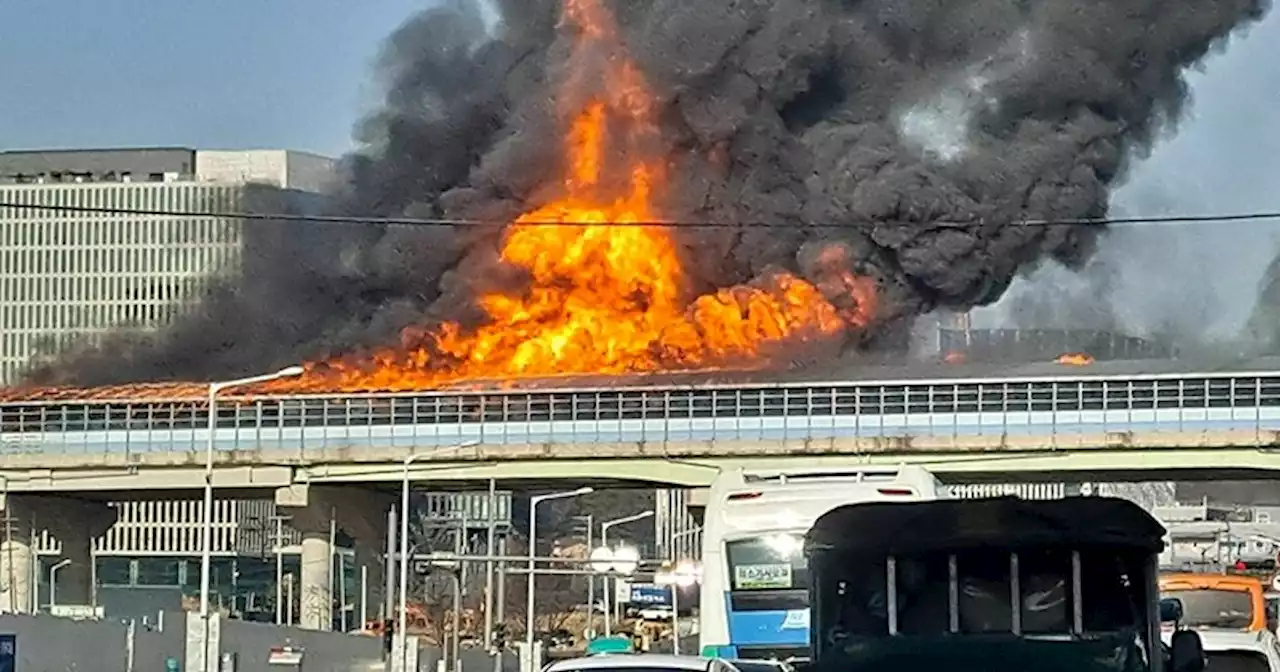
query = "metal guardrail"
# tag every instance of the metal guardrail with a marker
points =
(1036, 345)
(1051, 407)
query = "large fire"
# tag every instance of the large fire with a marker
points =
(609, 296)
(604, 293)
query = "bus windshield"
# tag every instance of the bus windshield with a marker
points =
(767, 563)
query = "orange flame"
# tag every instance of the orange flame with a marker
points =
(600, 298)
(1074, 359)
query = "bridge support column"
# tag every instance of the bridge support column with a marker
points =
(360, 514)
(77, 531)
(74, 523)
(17, 564)
(315, 590)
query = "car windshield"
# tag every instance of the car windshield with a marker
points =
(759, 666)
(1215, 608)
(1236, 661)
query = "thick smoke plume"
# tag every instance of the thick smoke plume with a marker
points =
(930, 129)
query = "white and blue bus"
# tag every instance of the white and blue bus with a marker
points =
(755, 600)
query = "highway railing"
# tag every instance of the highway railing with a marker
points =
(1049, 407)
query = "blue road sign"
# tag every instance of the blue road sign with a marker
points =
(650, 595)
(8, 653)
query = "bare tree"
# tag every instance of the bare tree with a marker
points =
(434, 591)
(558, 522)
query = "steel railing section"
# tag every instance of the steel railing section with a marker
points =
(1044, 406)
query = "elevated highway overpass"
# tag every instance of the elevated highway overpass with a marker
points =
(336, 457)
(1115, 423)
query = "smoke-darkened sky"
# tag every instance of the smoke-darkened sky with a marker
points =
(1194, 282)
(929, 129)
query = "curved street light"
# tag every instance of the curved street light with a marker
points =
(609, 584)
(533, 536)
(402, 622)
(206, 525)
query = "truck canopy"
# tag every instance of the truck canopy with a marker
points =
(988, 584)
(1008, 523)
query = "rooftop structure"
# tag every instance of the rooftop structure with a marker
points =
(79, 166)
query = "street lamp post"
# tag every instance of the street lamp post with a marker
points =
(533, 527)
(591, 581)
(610, 584)
(206, 526)
(402, 621)
(53, 582)
(681, 576)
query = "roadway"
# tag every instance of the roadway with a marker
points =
(1113, 421)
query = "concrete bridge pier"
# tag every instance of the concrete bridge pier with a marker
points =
(360, 514)
(17, 562)
(72, 522)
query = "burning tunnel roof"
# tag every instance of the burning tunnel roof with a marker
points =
(849, 372)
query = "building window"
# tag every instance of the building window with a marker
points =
(157, 571)
(1263, 517)
(115, 571)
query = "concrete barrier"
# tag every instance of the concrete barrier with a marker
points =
(50, 644)
(322, 651)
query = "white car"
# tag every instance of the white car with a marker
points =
(1236, 651)
(641, 662)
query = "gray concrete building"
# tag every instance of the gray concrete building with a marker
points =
(67, 277)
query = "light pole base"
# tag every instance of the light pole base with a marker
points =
(195, 658)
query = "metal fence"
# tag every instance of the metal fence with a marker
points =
(1029, 345)
(1027, 406)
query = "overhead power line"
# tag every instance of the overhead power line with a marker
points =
(695, 224)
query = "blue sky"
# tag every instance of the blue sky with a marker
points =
(234, 74)
(298, 74)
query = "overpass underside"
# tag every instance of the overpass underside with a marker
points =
(1113, 456)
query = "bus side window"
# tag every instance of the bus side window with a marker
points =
(984, 592)
(1111, 602)
(1045, 586)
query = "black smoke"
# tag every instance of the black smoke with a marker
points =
(930, 128)
(1263, 328)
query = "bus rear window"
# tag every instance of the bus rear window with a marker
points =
(767, 563)
(1214, 608)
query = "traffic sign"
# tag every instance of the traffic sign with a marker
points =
(650, 595)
